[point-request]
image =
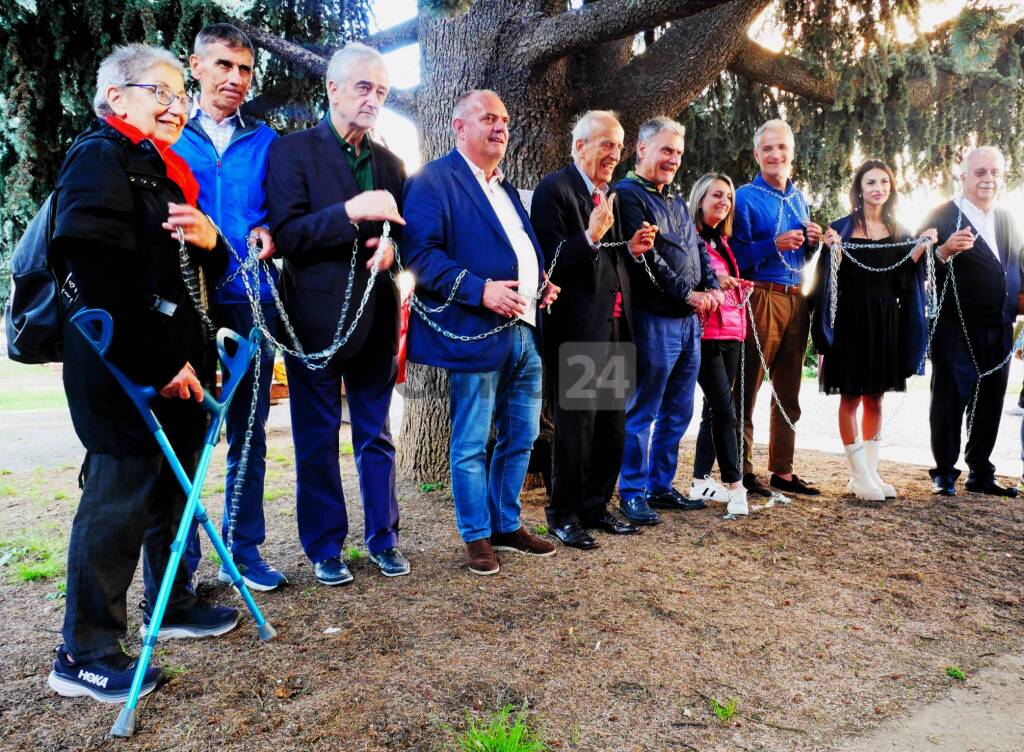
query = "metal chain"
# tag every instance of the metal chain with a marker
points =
(803, 217)
(193, 284)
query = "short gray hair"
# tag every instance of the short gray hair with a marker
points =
(585, 124)
(651, 128)
(981, 151)
(776, 124)
(125, 65)
(228, 35)
(345, 59)
(462, 103)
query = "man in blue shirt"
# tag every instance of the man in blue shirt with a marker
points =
(228, 155)
(772, 234)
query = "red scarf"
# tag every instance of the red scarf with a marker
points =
(177, 168)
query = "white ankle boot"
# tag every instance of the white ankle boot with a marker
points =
(861, 484)
(871, 456)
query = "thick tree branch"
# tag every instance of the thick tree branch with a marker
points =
(794, 76)
(402, 101)
(310, 62)
(595, 23)
(673, 71)
(397, 36)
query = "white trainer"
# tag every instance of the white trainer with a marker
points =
(706, 489)
(737, 501)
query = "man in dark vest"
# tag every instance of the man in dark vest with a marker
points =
(981, 248)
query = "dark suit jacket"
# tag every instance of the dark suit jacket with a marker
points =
(988, 286)
(308, 182)
(452, 227)
(561, 211)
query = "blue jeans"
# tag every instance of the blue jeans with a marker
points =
(249, 530)
(668, 361)
(487, 498)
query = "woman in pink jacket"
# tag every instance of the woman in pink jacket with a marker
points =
(711, 204)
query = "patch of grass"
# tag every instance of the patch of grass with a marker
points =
(59, 496)
(724, 713)
(212, 556)
(273, 494)
(60, 592)
(352, 554)
(954, 672)
(540, 529)
(280, 458)
(8, 490)
(503, 733)
(431, 487)
(346, 449)
(32, 557)
(218, 489)
(34, 399)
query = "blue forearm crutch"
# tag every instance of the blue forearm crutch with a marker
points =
(97, 327)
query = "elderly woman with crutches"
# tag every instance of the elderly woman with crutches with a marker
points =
(136, 246)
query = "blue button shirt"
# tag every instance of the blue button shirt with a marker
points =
(756, 225)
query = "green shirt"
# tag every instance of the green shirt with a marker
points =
(361, 164)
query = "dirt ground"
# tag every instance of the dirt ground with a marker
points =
(821, 620)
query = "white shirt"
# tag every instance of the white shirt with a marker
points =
(220, 133)
(984, 222)
(512, 224)
(603, 190)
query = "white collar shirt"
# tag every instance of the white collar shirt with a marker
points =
(512, 224)
(984, 222)
(220, 133)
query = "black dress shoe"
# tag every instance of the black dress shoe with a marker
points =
(793, 485)
(673, 500)
(609, 523)
(991, 488)
(943, 486)
(573, 535)
(636, 511)
(755, 486)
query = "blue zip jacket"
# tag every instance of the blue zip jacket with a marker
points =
(231, 191)
(754, 231)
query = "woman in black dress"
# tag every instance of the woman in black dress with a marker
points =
(867, 355)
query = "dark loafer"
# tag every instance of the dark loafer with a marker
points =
(391, 562)
(754, 485)
(573, 535)
(991, 488)
(672, 499)
(943, 486)
(794, 485)
(609, 523)
(636, 511)
(332, 571)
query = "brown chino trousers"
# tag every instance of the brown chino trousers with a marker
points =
(782, 322)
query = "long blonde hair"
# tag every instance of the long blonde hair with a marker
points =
(700, 190)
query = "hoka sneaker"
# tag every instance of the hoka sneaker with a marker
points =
(106, 679)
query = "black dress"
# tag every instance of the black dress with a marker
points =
(866, 354)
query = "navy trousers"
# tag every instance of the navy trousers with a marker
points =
(249, 530)
(315, 401)
(953, 381)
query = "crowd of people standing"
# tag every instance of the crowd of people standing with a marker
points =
(706, 288)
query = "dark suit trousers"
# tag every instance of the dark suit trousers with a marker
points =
(588, 446)
(953, 381)
(315, 402)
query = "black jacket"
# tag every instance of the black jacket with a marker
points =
(560, 211)
(308, 182)
(679, 260)
(112, 199)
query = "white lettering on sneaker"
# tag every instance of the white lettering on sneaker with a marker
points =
(89, 676)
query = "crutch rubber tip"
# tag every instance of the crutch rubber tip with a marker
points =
(124, 726)
(266, 631)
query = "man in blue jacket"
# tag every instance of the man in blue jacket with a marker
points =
(228, 155)
(480, 284)
(772, 237)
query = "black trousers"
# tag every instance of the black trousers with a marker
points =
(717, 437)
(953, 382)
(586, 457)
(128, 503)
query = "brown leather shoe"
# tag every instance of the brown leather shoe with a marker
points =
(523, 542)
(480, 557)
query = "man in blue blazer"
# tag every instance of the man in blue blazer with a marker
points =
(328, 190)
(480, 283)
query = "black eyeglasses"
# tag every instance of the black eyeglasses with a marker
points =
(165, 96)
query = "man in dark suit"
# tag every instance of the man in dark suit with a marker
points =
(480, 290)
(328, 190)
(982, 249)
(574, 214)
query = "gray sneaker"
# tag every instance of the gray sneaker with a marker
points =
(391, 562)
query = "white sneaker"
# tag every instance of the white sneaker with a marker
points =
(706, 489)
(737, 501)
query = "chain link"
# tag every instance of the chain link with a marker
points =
(803, 217)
